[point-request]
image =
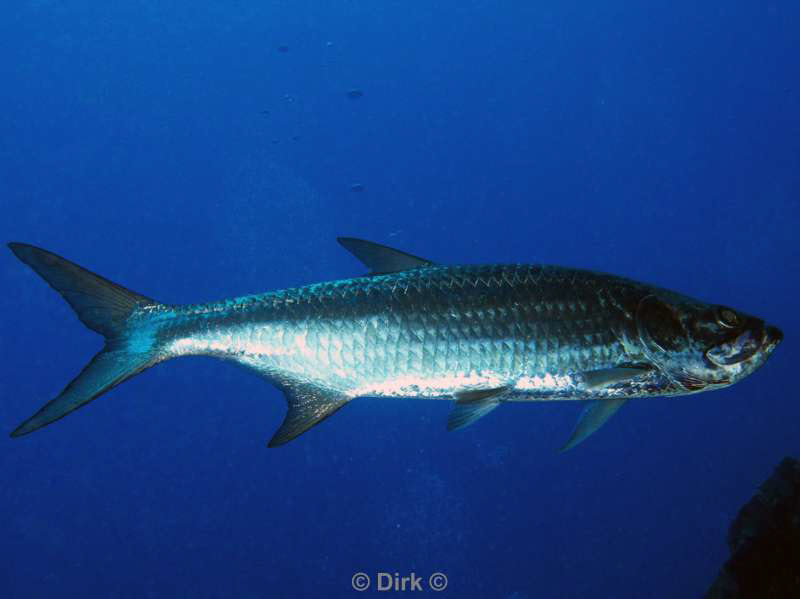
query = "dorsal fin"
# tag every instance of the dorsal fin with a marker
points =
(380, 259)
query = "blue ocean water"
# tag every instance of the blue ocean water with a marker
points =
(198, 151)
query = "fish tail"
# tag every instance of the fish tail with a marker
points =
(105, 307)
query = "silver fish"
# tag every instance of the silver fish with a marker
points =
(479, 335)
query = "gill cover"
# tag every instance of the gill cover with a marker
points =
(658, 325)
(666, 342)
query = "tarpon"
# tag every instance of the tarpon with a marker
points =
(478, 335)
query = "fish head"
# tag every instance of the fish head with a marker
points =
(702, 346)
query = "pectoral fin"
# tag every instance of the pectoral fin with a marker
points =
(595, 415)
(473, 405)
(379, 258)
(306, 406)
(596, 379)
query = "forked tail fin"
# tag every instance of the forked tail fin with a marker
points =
(104, 307)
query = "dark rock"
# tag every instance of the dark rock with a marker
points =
(355, 94)
(764, 540)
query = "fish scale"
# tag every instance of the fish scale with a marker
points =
(509, 322)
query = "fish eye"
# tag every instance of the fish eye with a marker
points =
(728, 318)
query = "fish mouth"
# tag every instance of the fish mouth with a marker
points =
(756, 343)
(772, 338)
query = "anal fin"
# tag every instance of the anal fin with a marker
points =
(307, 405)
